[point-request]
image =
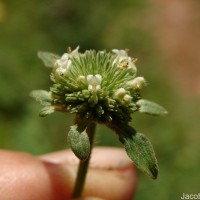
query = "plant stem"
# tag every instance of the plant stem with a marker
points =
(84, 164)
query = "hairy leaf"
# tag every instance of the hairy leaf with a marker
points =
(150, 107)
(79, 143)
(48, 59)
(42, 96)
(46, 111)
(140, 150)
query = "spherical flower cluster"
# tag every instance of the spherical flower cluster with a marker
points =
(97, 85)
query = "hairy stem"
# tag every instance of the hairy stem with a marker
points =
(84, 164)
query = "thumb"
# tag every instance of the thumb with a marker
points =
(111, 175)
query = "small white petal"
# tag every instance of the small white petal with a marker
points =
(64, 63)
(94, 82)
(67, 64)
(98, 78)
(64, 57)
(120, 53)
(90, 87)
(131, 64)
(98, 87)
(94, 79)
(89, 78)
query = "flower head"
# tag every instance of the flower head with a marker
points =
(94, 85)
(100, 85)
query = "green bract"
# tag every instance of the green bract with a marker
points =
(101, 87)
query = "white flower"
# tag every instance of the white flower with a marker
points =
(131, 64)
(121, 55)
(137, 83)
(122, 95)
(63, 64)
(94, 82)
(123, 60)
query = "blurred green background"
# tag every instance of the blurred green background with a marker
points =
(29, 26)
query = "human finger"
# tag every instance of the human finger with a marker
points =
(111, 174)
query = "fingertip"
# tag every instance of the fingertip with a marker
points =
(112, 184)
(111, 175)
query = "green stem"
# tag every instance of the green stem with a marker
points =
(84, 164)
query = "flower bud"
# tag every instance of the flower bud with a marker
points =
(120, 93)
(127, 99)
(137, 83)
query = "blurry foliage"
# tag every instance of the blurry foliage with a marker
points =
(29, 26)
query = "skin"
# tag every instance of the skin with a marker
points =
(51, 177)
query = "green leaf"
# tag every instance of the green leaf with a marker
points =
(47, 111)
(48, 59)
(140, 150)
(151, 108)
(79, 143)
(42, 96)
